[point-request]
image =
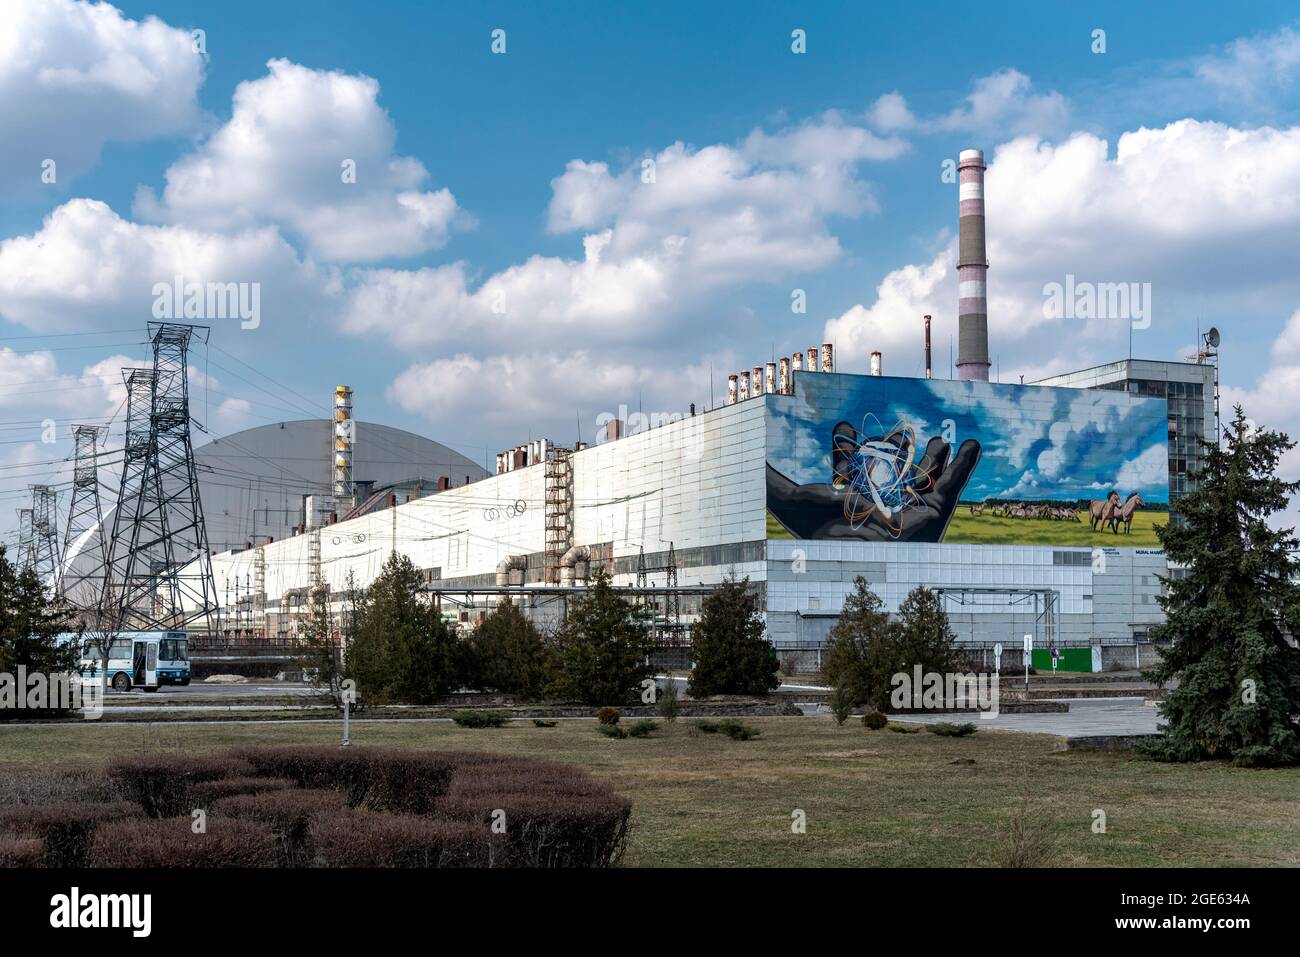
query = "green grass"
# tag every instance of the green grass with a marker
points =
(871, 799)
(986, 529)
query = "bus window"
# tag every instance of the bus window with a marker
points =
(173, 649)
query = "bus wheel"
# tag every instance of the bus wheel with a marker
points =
(121, 682)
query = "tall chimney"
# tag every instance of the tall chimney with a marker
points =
(344, 433)
(797, 360)
(756, 383)
(744, 386)
(785, 375)
(812, 359)
(828, 362)
(927, 347)
(972, 271)
(769, 378)
(733, 385)
(875, 364)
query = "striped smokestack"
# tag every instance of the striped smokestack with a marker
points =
(972, 272)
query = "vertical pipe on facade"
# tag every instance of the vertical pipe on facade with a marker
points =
(972, 271)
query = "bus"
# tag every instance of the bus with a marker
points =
(138, 659)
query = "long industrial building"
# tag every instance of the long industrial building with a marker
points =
(1031, 509)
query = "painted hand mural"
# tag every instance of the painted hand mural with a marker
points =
(881, 489)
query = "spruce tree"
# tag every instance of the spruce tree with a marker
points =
(1235, 676)
(924, 636)
(731, 654)
(400, 648)
(507, 653)
(29, 625)
(601, 654)
(862, 648)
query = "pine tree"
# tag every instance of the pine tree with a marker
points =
(601, 654)
(731, 654)
(507, 654)
(862, 648)
(1228, 618)
(400, 648)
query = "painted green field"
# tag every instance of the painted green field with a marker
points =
(968, 529)
(870, 798)
(986, 529)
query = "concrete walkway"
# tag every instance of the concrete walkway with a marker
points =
(1087, 718)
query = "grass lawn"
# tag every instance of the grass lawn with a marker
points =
(872, 798)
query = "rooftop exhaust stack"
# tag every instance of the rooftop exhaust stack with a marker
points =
(875, 364)
(972, 271)
(344, 433)
(928, 367)
(733, 387)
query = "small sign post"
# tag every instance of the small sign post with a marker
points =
(1028, 658)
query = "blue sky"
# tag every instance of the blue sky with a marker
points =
(501, 270)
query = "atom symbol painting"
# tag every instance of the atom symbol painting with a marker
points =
(879, 472)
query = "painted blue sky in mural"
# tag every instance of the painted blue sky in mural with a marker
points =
(1035, 442)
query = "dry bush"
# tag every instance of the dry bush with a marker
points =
(322, 806)
(163, 784)
(21, 852)
(378, 839)
(209, 791)
(65, 829)
(45, 786)
(289, 814)
(142, 842)
(382, 779)
(1030, 840)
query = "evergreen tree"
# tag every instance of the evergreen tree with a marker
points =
(400, 648)
(862, 649)
(731, 655)
(601, 654)
(29, 625)
(924, 636)
(1229, 616)
(507, 654)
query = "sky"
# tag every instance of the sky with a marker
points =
(499, 221)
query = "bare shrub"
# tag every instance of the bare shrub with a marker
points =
(172, 843)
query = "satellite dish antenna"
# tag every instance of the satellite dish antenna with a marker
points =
(1212, 337)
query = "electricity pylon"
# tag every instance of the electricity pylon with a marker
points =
(82, 578)
(160, 564)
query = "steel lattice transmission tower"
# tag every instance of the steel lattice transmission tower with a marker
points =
(159, 561)
(82, 580)
(45, 535)
(25, 556)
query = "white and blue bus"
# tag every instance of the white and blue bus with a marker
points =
(138, 659)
